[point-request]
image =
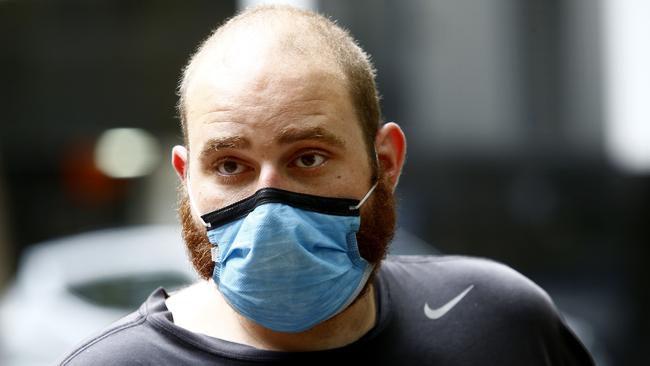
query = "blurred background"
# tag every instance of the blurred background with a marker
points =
(529, 142)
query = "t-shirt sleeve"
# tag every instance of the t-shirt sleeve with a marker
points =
(488, 314)
(112, 346)
(531, 324)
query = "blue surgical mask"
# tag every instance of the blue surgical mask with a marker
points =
(288, 261)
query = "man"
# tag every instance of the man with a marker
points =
(287, 211)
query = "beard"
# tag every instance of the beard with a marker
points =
(378, 218)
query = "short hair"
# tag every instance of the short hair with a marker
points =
(333, 40)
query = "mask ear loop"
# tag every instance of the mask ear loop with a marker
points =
(365, 198)
(188, 187)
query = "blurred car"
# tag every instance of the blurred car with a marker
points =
(68, 289)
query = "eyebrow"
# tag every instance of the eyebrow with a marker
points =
(290, 135)
(286, 136)
(226, 142)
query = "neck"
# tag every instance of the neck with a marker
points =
(213, 316)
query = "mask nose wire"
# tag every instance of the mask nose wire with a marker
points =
(188, 187)
(365, 198)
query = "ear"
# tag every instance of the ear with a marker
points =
(390, 145)
(179, 161)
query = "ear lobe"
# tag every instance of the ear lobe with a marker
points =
(179, 161)
(390, 145)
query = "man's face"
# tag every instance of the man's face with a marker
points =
(288, 128)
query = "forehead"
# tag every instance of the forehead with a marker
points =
(268, 92)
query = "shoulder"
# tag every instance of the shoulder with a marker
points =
(496, 288)
(504, 315)
(107, 346)
(434, 269)
(122, 342)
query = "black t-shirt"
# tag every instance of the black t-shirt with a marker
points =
(431, 310)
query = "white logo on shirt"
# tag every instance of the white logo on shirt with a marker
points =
(444, 309)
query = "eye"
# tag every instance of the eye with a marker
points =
(310, 160)
(230, 167)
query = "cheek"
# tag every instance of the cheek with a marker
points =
(364, 166)
(354, 177)
(362, 157)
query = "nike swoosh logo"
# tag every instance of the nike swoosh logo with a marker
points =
(444, 309)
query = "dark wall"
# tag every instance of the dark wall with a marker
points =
(72, 69)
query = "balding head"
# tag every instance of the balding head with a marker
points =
(285, 40)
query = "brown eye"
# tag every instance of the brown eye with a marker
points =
(230, 167)
(309, 160)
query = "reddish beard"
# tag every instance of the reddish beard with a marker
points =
(375, 232)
